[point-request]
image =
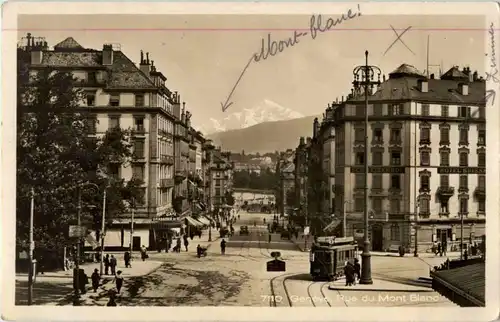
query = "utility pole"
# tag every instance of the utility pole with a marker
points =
(366, 73)
(209, 204)
(76, 272)
(132, 226)
(32, 248)
(306, 188)
(103, 225)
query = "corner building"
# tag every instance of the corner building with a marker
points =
(427, 160)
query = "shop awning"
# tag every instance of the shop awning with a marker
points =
(464, 286)
(193, 222)
(203, 220)
(137, 221)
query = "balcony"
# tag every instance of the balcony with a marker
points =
(425, 141)
(446, 191)
(463, 189)
(166, 183)
(167, 159)
(138, 131)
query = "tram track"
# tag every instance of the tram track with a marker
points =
(315, 300)
(277, 297)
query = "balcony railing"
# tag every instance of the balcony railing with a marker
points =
(138, 130)
(167, 159)
(446, 191)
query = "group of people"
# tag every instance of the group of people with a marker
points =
(352, 272)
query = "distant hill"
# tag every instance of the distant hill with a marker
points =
(265, 137)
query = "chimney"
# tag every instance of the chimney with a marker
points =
(463, 89)
(188, 119)
(309, 140)
(183, 113)
(432, 76)
(342, 101)
(36, 53)
(177, 106)
(423, 85)
(107, 54)
(383, 78)
(471, 76)
(474, 76)
(302, 140)
(315, 127)
(144, 65)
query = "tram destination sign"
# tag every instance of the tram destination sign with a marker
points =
(461, 170)
(378, 169)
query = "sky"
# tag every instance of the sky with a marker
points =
(203, 56)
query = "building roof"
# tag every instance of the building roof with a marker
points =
(122, 74)
(467, 280)
(406, 70)
(403, 85)
(68, 43)
(455, 74)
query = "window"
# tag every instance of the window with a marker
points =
(425, 158)
(445, 135)
(359, 180)
(481, 137)
(378, 136)
(359, 204)
(114, 171)
(464, 137)
(424, 205)
(139, 149)
(114, 100)
(91, 77)
(424, 183)
(463, 111)
(90, 97)
(396, 135)
(464, 205)
(481, 181)
(482, 112)
(395, 181)
(395, 158)
(396, 109)
(481, 205)
(218, 182)
(217, 192)
(139, 124)
(360, 110)
(425, 135)
(444, 181)
(395, 232)
(91, 125)
(445, 158)
(359, 135)
(360, 158)
(377, 205)
(481, 159)
(463, 183)
(425, 110)
(377, 158)
(114, 122)
(377, 181)
(138, 172)
(464, 159)
(139, 100)
(377, 109)
(444, 110)
(395, 203)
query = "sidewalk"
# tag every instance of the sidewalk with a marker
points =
(383, 285)
(138, 268)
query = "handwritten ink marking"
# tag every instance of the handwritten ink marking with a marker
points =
(399, 38)
(226, 105)
(274, 47)
(316, 25)
(492, 74)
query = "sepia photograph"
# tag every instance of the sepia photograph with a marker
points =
(252, 158)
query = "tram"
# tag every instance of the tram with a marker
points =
(328, 256)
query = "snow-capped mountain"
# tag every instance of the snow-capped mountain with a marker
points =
(267, 111)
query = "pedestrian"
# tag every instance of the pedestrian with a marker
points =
(269, 238)
(349, 273)
(126, 258)
(223, 246)
(144, 253)
(106, 264)
(112, 264)
(440, 252)
(112, 301)
(445, 247)
(178, 246)
(199, 233)
(198, 250)
(466, 255)
(186, 244)
(357, 270)
(95, 279)
(118, 281)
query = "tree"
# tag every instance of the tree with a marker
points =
(56, 155)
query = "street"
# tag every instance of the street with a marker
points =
(239, 278)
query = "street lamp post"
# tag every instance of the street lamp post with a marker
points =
(344, 218)
(31, 248)
(103, 225)
(132, 226)
(366, 74)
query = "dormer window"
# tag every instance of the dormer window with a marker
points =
(395, 109)
(114, 100)
(139, 100)
(463, 111)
